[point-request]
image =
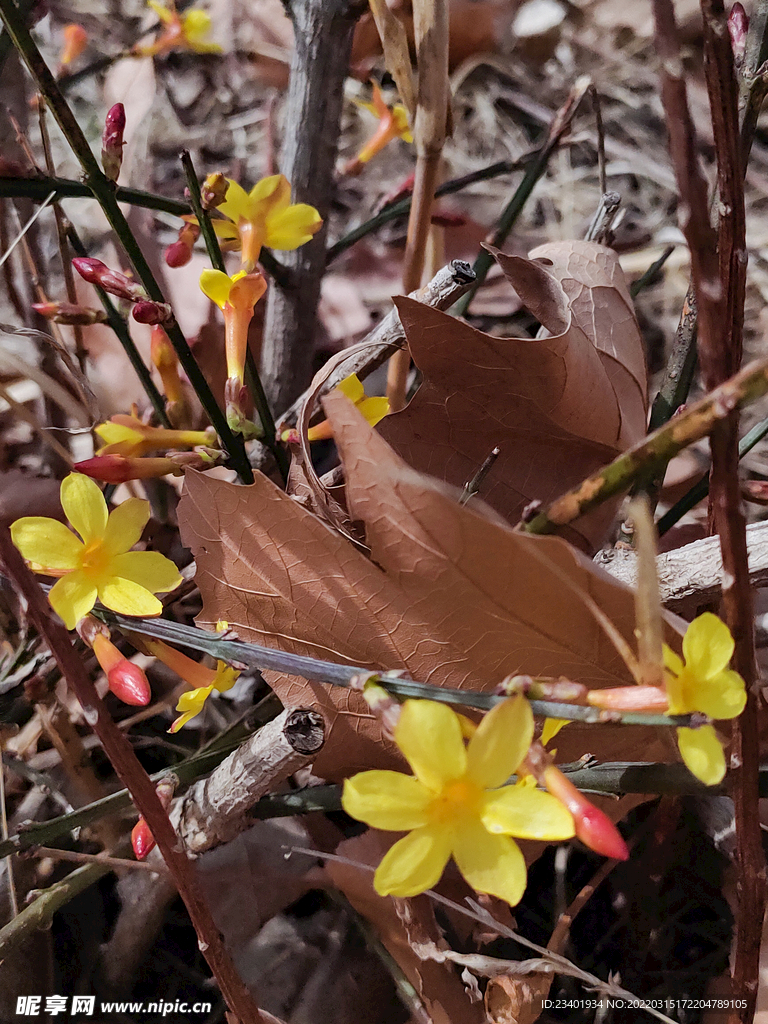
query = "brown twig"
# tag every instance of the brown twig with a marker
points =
(136, 780)
(718, 271)
(319, 64)
(430, 22)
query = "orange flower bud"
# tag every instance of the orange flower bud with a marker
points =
(126, 680)
(75, 41)
(593, 828)
(117, 469)
(142, 839)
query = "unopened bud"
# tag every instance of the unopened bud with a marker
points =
(179, 253)
(70, 314)
(98, 273)
(213, 191)
(142, 840)
(126, 680)
(112, 141)
(630, 698)
(148, 312)
(117, 469)
(75, 41)
(593, 828)
(738, 26)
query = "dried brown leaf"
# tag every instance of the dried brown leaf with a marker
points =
(397, 54)
(450, 594)
(511, 1000)
(558, 407)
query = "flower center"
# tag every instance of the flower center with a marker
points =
(95, 558)
(458, 799)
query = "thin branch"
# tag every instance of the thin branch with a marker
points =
(120, 752)
(561, 123)
(104, 192)
(268, 658)
(654, 450)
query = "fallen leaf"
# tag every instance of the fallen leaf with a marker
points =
(451, 594)
(510, 1000)
(558, 407)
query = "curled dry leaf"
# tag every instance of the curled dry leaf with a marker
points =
(558, 407)
(450, 594)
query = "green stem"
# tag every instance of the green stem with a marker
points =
(252, 378)
(654, 450)
(41, 833)
(104, 192)
(123, 335)
(39, 188)
(268, 658)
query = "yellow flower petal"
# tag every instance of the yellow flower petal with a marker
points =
(353, 388)
(702, 753)
(500, 743)
(46, 542)
(72, 597)
(552, 727)
(225, 229)
(127, 598)
(374, 409)
(272, 193)
(415, 863)
(226, 676)
(84, 506)
(490, 863)
(149, 569)
(190, 704)
(292, 227)
(527, 813)
(216, 285)
(197, 26)
(429, 735)
(722, 696)
(165, 15)
(707, 646)
(672, 661)
(125, 525)
(236, 203)
(387, 800)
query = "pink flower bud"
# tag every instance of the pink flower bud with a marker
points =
(738, 26)
(593, 828)
(112, 141)
(98, 273)
(117, 469)
(147, 312)
(69, 313)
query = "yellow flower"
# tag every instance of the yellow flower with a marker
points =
(191, 703)
(264, 216)
(101, 564)
(457, 804)
(236, 296)
(393, 124)
(703, 682)
(188, 31)
(127, 435)
(374, 409)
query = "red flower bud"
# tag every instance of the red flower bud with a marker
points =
(593, 828)
(178, 254)
(69, 313)
(125, 680)
(147, 312)
(738, 26)
(112, 141)
(117, 469)
(142, 839)
(98, 273)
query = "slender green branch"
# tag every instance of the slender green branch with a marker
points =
(38, 188)
(39, 913)
(39, 833)
(700, 489)
(649, 276)
(561, 122)
(120, 327)
(654, 450)
(104, 192)
(267, 658)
